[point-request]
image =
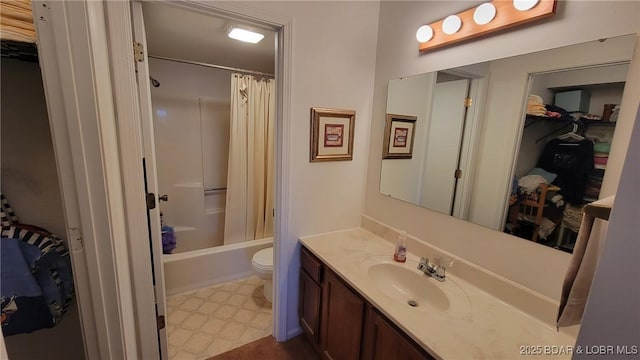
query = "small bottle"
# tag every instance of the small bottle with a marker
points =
(400, 253)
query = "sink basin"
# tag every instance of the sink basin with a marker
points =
(408, 286)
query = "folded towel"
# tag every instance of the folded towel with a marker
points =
(535, 106)
(530, 183)
(549, 177)
(534, 99)
(546, 228)
(16, 22)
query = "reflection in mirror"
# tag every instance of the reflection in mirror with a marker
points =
(473, 142)
(564, 149)
(445, 129)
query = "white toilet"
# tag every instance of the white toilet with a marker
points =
(262, 263)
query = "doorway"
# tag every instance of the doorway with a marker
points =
(213, 301)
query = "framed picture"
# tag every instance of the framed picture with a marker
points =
(331, 134)
(399, 132)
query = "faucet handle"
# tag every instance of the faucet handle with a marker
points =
(440, 273)
(424, 264)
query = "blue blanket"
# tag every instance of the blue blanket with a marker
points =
(37, 283)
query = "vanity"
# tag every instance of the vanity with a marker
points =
(357, 303)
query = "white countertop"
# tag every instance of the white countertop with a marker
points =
(476, 325)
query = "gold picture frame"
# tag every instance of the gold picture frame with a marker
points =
(399, 132)
(331, 134)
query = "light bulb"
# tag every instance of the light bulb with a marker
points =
(484, 14)
(524, 5)
(451, 24)
(424, 33)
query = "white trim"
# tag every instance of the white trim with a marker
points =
(46, 35)
(112, 174)
(130, 145)
(77, 52)
(284, 238)
(469, 149)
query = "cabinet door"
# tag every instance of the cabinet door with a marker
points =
(309, 307)
(383, 341)
(343, 313)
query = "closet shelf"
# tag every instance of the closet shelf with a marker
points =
(532, 119)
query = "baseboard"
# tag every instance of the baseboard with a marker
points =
(291, 333)
(207, 283)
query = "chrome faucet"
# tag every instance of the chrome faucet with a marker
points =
(434, 270)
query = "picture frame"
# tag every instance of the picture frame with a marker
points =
(331, 134)
(399, 133)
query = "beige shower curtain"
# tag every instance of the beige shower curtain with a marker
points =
(250, 178)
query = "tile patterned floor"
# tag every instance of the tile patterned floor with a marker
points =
(212, 320)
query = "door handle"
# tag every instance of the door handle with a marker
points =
(164, 197)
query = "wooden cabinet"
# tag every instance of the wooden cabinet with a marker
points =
(341, 324)
(309, 309)
(384, 341)
(310, 296)
(342, 317)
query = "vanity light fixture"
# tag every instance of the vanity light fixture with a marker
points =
(424, 33)
(451, 24)
(244, 35)
(487, 18)
(484, 13)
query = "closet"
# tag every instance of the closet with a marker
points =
(567, 132)
(33, 207)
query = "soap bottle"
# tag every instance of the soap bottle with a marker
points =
(400, 253)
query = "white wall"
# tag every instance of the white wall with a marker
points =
(397, 56)
(29, 175)
(30, 182)
(612, 315)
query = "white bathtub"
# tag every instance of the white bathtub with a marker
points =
(201, 268)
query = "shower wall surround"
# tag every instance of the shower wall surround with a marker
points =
(191, 123)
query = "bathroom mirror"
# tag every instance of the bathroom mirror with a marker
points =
(472, 135)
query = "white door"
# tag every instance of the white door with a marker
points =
(443, 149)
(151, 180)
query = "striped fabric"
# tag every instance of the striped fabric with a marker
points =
(50, 270)
(42, 242)
(8, 215)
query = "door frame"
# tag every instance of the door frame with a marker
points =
(119, 38)
(75, 69)
(85, 57)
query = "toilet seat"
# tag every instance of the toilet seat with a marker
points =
(263, 261)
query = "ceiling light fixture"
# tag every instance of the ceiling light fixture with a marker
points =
(245, 35)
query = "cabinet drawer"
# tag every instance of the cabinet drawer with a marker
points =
(311, 265)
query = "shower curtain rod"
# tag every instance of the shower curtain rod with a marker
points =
(251, 72)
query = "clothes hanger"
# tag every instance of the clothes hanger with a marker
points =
(571, 135)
